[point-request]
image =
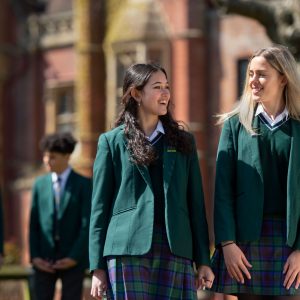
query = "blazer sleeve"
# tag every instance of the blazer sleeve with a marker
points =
(103, 187)
(296, 245)
(197, 212)
(78, 252)
(225, 181)
(34, 226)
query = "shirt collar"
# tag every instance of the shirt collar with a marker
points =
(284, 114)
(159, 129)
(64, 175)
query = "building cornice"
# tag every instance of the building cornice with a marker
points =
(51, 31)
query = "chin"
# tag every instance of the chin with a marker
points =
(163, 113)
(48, 169)
(256, 99)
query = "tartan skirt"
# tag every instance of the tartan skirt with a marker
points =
(157, 275)
(267, 257)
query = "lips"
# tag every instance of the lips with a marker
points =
(256, 91)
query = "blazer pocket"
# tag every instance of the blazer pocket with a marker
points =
(118, 233)
(123, 210)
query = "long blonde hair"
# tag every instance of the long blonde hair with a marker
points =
(281, 59)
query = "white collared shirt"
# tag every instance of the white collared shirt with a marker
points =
(159, 129)
(63, 177)
(279, 120)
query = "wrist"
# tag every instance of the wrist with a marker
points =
(227, 243)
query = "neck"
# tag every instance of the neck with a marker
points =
(273, 109)
(148, 124)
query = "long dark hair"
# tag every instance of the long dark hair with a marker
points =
(141, 151)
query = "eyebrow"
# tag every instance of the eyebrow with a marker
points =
(261, 70)
(158, 82)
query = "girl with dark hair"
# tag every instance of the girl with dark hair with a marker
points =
(148, 221)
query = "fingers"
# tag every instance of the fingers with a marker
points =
(44, 265)
(98, 293)
(205, 277)
(291, 270)
(94, 293)
(197, 283)
(64, 263)
(49, 270)
(236, 263)
(239, 270)
(60, 264)
(246, 262)
(290, 275)
(203, 283)
(286, 272)
(289, 279)
(46, 269)
(207, 282)
(297, 283)
(232, 275)
(244, 267)
(236, 273)
(99, 285)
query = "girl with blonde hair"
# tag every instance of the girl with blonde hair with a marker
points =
(257, 195)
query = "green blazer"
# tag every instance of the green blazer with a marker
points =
(122, 214)
(73, 218)
(239, 190)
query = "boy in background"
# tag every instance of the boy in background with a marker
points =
(59, 222)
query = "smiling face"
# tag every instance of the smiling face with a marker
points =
(265, 82)
(154, 98)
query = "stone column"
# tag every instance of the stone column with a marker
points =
(89, 17)
(3, 77)
(189, 80)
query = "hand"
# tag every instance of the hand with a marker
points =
(99, 284)
(236, 262)
(205, 278)
(43, 265)
(291, 270)
(64, 263)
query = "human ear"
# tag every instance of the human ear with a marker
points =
(284, 80)
(136, 95)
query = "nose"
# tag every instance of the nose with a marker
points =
(253, 79)
(165, 91)
(47, 161)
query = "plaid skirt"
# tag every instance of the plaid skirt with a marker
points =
(267, 257)
(157, 275)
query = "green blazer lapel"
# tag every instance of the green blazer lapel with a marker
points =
(47, 197)
(293, 175)
(255, 150)
(145, 174)
(251, 151)
(49, 192)
(142, 169)
(169, 158)
(67, 193)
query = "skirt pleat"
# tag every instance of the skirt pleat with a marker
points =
(267, 257)
(157, 275)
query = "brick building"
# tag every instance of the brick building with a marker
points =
(61, 68)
